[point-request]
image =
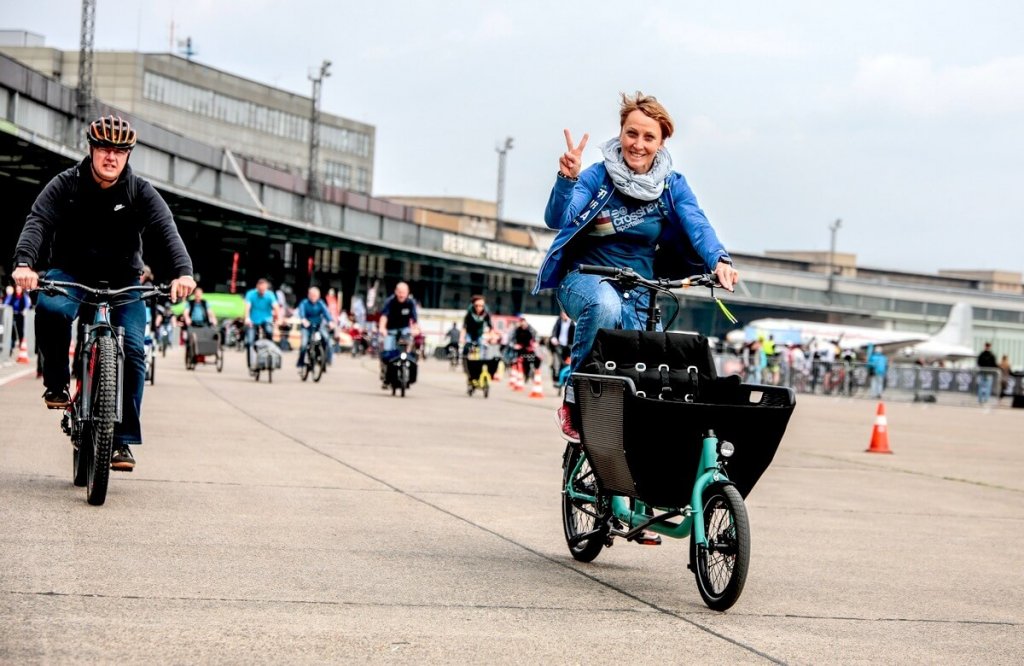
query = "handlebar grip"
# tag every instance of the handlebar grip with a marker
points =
(589, 269)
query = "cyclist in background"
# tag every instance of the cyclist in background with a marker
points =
(261, 310)
(197, 311)
(476, 324)
(95, 216)
(397, 317)
(315, 316)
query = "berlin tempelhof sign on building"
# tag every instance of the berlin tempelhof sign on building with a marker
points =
(497, 252)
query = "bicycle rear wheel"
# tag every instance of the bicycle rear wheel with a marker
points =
(721, 568)
(582, 516)
(100, 427)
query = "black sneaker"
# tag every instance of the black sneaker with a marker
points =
(122, 459)
(57, 399)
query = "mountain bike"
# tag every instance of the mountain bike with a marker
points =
(96, 405)
(666, 446)
(316, 356)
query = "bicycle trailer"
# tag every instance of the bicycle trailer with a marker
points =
(646, 399)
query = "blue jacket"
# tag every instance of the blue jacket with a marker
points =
(687, 244)
(314, 313)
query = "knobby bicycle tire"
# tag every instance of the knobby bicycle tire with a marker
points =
(101, 423)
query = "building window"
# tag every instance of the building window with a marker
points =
(172, 92)
(338, 174)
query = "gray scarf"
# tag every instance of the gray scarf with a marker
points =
(646, 186)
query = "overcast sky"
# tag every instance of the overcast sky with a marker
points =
(904, 119)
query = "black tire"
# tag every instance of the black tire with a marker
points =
(152, 370)
(579, 516)
(721, 569)
(270, 375)
(101, 423)
(190, 354)
(394, 391)
(487, 392)
(220, 360)
(319, 363)
(256, 375)
(305, 367)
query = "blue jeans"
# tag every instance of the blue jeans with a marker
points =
(594, 304)
(984, 387)
(54, 315)
(391, 339)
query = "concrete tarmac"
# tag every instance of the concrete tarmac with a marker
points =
(297, 522)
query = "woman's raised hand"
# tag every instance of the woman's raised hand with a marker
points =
(570, 162)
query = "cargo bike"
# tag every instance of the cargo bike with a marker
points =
(480, 371)
(202, 344)
(666, 446)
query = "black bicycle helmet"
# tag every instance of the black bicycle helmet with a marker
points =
(111, 132)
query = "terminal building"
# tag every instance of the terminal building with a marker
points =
(240, 195)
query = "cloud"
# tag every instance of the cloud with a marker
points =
(916, 87)
(706, 40)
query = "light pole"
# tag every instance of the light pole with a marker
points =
(312, 182)
(502, 153)
(834, 227)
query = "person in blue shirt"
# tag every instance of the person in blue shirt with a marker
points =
(19, 301)
(315, 317)
(197, 311)
(261, 310)
(878, 365)
(618, 212)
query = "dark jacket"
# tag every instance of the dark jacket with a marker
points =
(553, 340)
(96, 234)
(987, 359)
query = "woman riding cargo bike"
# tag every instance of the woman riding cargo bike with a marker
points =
(615, 221)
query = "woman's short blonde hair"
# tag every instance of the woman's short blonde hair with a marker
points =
(650, 107)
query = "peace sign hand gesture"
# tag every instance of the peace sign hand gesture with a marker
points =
(569, 163)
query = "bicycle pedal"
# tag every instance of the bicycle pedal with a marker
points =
(648, 540)
(122, 469)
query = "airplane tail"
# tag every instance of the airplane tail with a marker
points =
(959, 328)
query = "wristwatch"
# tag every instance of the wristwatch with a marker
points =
(22, 264)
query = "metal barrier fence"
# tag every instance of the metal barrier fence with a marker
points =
(850, 378)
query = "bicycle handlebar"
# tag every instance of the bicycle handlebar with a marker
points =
(628, 275)
(61, 287)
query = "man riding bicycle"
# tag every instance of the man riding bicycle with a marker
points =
(397, 320)
(262, 311)
(197, 311)
(94, 217)
(315, 317)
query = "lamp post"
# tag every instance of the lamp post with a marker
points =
(312, 182)
(502, 153)
(834, 227)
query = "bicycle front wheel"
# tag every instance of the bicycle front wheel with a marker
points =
(100, 426)
(319, 363)
(721, 568)
(582, 515)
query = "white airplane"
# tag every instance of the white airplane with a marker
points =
(953, 341)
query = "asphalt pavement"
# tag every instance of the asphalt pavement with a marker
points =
(297, 522)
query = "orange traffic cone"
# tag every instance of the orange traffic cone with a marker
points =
(512, 376)
(537, 390)
(498, 371)
(520, 384)
(23, 352)
(880, 433)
